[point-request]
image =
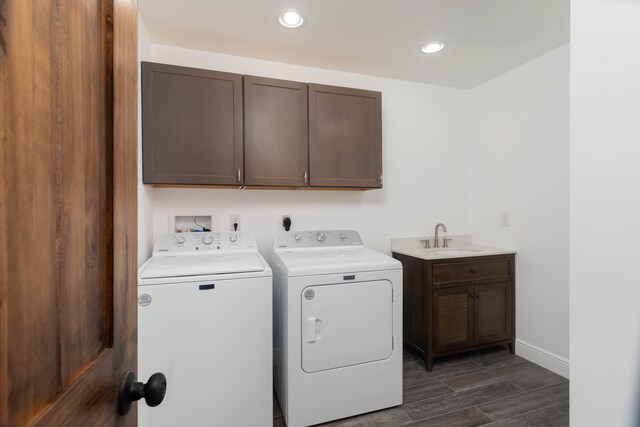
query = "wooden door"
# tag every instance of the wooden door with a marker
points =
(192, 126)
(493, 312)
(67, 210)
(452, 318)
(276, 145)
(345, 137)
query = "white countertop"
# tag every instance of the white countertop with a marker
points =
(459, 247)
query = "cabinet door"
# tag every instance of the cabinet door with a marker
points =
(345, 137)
(192, 126)
(493, 312)
(276, 132)
(453, 318)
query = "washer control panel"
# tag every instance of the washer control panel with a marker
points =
(317, 239)
(186, 243)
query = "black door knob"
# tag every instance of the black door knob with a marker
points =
(130, 391)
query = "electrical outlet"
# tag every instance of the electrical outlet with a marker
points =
(234, 219)
(284, 225)
(504, 219)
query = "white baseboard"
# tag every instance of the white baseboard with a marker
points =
(544, 358)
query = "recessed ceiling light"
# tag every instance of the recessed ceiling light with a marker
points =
(432, 47)
(290, 19)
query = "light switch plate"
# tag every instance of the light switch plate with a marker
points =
(504, 219)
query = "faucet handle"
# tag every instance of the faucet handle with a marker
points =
(445, 241)
(426, 243)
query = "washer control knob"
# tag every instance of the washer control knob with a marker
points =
(297, 237)
(342, 236)
(207, 239)
(320, 236)
(233, 238)
(179, 239)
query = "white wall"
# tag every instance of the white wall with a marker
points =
(519, 163)
(145, 192)
(424, 164)
(453, 156)
(605, 213)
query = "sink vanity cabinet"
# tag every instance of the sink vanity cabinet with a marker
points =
(453, 305)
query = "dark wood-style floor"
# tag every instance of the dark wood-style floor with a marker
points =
(487, 388)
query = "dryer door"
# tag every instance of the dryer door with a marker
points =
(346, 324)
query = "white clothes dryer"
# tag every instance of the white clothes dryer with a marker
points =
(204, 320)
(337, 326)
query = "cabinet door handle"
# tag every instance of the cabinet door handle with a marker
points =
(239, 176)
(305, 177)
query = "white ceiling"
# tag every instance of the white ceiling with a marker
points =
(484, 38)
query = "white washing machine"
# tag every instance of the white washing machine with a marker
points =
(337, 326)
(204, 320)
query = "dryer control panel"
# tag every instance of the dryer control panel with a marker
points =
(195, 243)
(317, 239)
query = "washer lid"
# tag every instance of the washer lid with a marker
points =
(333, 260)
(195, 265)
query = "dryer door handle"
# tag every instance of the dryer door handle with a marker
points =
(312, 330)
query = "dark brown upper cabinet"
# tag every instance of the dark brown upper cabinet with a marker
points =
(345, 137)
(192, 126)
(276, 145)
(202, 127)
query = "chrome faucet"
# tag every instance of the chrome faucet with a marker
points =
(435, 240)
